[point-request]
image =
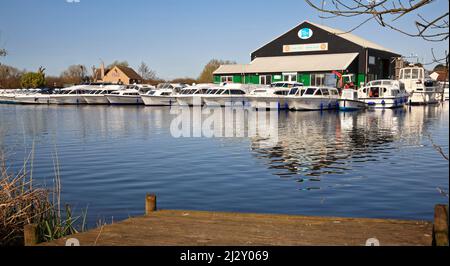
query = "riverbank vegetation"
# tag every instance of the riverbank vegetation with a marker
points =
(14, 78)
(23, 201)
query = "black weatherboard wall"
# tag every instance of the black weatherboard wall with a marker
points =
(383, 67)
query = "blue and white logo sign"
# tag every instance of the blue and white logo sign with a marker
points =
(305, 33)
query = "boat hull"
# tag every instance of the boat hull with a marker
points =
(189, 100)
(351, 105)
(386, 103)
(96, 99)
(67, 99)
(262, 102)
(159, 100)
(420, 98)
(125, 100)
(312, 104)
(225, 101)
(29, 99)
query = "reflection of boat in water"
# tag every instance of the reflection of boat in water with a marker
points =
(384, 94)
(312, 98)
(421, 88)
(446, 92)
(350, 101)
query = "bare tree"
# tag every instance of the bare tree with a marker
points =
(146, 73)
(387, 13)
(74, 74)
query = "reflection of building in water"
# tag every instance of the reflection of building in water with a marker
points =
(314, 144)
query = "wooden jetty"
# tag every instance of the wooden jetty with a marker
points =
(197, 228)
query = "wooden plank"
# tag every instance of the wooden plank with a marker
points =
(30, 235)
(440, 228)
(181, 228)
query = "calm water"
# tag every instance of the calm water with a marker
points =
(371, 164)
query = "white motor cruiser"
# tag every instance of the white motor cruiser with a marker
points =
(192, 96)
(128, 96)
(384, 94)
(70, 95)
(272, 97)
(98, 95)
(313, 98)
(232, 94)
(421, 88)
(163, 95)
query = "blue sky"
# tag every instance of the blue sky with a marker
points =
(175, 38)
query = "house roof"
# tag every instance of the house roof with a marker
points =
(343, 34)
(129, 72)
(299, 63)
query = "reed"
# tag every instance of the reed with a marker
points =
(23, 202)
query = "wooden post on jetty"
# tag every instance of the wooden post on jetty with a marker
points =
(150, 204)
(30, 235)
(440, 228)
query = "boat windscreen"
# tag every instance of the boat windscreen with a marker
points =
(310, 91)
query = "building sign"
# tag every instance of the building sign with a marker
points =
(305, 33)
(298, 48)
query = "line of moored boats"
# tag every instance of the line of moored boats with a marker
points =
(412, 88)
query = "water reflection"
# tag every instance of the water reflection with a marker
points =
(366, 164)
(315, 145)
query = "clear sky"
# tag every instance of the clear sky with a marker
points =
(175, 38)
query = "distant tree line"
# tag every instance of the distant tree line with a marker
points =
(13, 78)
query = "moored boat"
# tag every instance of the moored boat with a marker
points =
(163, 95)
(70, 96)
(228, 95)
(128, 96)
(269, 98)
(350, 101)
(384, 94)
(192, 96)
(98, 95)
(313, 98)
(421, 88)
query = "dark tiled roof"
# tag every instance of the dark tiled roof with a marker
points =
(129, 72)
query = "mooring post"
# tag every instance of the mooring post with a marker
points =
(150, 203)
(30, 234)
(440, 227)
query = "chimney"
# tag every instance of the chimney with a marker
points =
(102, 71)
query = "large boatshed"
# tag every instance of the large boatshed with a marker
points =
(313, 55)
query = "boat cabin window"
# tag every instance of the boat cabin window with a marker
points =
(374, 92)
(283, 92)
(318, 93)
(218, 92)
(259, 91)
(293, 91)
(237, 92)
(310, 91)
(166, 94)
(325, 92)
(407, 73)
(151, 92)
(415, 73)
